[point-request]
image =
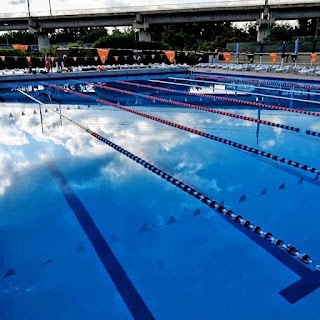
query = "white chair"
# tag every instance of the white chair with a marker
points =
(306, 71)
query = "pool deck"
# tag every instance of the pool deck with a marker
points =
(271, 75)
(163, 70)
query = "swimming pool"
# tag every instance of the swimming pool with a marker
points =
(167, 254)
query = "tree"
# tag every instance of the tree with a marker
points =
(282, 32)
(19, 37)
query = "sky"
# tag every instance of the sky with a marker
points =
(20, 6)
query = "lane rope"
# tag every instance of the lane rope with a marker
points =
(188, 105)
(263, 82)
(262, 105)
(198, 132)
(211, 203)
(269, 123)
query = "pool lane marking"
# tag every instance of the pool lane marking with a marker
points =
(198, 132)
(299, 263)
(128, 292)
(193, 106)
(250, 80)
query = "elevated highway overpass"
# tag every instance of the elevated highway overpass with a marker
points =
(142, 18)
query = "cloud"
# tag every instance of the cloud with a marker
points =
(4, 184)
(16, 2)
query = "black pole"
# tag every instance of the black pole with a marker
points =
(60, 114)
(41, 120)
(50, 8)
(28, 3)
(258, 126)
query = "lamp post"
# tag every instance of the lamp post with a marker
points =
(50, 7)
(28, 3)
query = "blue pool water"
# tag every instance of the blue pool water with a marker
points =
(192, 266)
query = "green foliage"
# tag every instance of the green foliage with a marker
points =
(116, 40)
(17, 37)
(13, 52)
(282, 32)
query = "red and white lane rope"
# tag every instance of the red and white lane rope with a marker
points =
(263, 82)
(193, 106)
(253, 103)
(269, 123)
(198, 132)
(211, 203)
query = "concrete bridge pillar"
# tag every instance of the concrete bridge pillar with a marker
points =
(264, 22)
(144, 35)
(142, 27)
(43, 40)
(263, 29)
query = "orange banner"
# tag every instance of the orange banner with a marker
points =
(170, 55)
(314, 57)
(227, 56)
(28, 58)
(103, 54)
(273, 57)
(22, 47)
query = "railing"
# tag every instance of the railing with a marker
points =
(162, 7)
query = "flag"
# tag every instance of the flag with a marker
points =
(273, 57)
(261, 48)
(226, 56)
(237, 51)
(296, 51)
(296, 47)
(137, 55)
(170, 55)
(103, 54)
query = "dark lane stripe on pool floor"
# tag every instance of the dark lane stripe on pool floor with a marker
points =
(310, 279)
(128, 292)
